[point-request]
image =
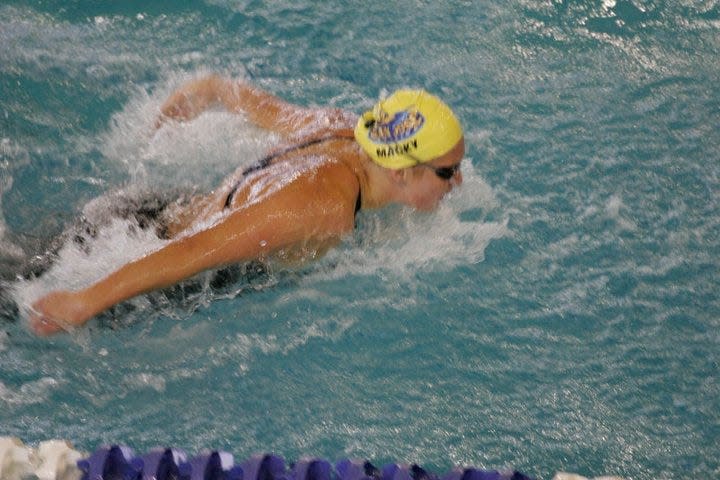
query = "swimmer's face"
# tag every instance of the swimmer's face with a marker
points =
(435, 179)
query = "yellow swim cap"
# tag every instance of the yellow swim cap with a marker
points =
(407, 128)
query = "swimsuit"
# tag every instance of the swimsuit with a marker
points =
(267, 161)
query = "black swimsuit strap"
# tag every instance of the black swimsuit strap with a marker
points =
(358, 202)
(266, 161)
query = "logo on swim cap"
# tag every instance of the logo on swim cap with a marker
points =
(401, 126)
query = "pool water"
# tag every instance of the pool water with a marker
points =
(558, 312)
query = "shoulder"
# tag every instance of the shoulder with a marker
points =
(333, 187)
(337, 177)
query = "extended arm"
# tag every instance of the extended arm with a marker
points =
(262, 108)
(244, 234)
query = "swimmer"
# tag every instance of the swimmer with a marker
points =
(293, 205)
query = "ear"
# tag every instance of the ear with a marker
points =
(399, 177)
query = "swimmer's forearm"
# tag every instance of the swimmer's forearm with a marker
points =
(196, 96)
(167, 266)
(128, 282)
(164, 267)
(261, 107)
(272, 113)
(177, 261)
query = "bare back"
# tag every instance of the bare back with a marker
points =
(325, 175)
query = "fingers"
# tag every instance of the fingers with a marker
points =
(53, 313)
(43, 326)
(40, 322)
(160, 121)
(179, 112)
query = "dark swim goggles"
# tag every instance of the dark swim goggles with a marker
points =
(445, 173)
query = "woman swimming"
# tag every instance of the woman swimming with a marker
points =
(296, 203)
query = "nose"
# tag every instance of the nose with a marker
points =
(457, 179)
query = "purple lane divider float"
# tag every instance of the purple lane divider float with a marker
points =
(120, 463)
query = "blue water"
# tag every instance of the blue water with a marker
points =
(559, 312)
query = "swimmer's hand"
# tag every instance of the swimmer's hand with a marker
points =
(178, 109)
(190, 100)
(57, 311)
(170, 114)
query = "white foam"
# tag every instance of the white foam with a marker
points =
(614, 210)
(197, 153)
(29, 393)
(76, 268)
(405, 241)
(145, 380)
(608, 5)
(8, 249)
(574, 476)
(8, 149)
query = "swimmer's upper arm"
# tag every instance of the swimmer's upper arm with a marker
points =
(318, 208)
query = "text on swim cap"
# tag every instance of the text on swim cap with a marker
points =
(397, 149)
